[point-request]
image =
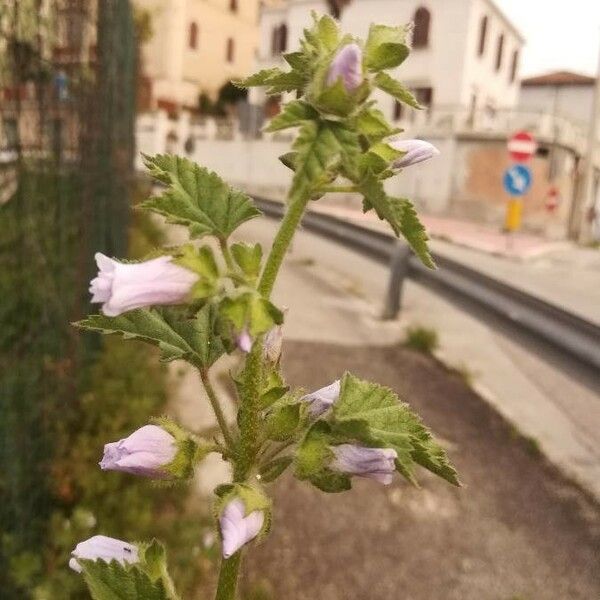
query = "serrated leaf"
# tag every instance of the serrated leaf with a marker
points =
(378, 417)
(294, 114)
(258, 79)
(289, 160)
(248, 258)
(113, 581)
(297, 60)
(192, 340)
(335, 100)
(273, 469)
(290, 81)
(154, 559)
(394, 88)
(399, 213)
(386, 47)
(372, 123)
(197, 198)
(322, 148)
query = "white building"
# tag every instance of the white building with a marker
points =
(465, 52)
(563, 94)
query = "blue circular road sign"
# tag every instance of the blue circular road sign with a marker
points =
(517, 180)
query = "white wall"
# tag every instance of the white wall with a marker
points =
(573, 102)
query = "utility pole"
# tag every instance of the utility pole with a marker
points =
(588, 195)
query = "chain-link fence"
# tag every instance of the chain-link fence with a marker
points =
(67, 86)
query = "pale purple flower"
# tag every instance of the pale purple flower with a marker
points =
(374, 463)
(237, 528)
(347, 64)
(120, 287)
(273, 342)
(101, 547)
(244, 341)
(146, 452)
(322, 399)
(416, 151)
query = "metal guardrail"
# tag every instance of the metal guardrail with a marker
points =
(564, 330)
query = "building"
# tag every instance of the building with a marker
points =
(465, 52)
(564, 94)
(196, 46)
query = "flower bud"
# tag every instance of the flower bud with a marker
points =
(374, 463)
(322, 399)
(272, 343)
(147, 452)
(347, 65)
(101, 547)
(244, 341)
(121, 287)
(238, 529)
(416, 151)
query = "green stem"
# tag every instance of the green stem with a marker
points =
(281, 243)
(214, 401)
(344, 189)
(226, 254)
(228, 576)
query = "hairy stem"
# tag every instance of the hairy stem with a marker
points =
(228, 577)
(214, 402)
(281, 243)
(226, 254)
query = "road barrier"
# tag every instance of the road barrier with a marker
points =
(564, 330)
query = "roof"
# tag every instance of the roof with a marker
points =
(558, 78)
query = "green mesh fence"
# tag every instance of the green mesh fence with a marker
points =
(67, 85)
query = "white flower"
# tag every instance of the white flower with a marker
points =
(322, 399)
(347, 65)
(104, 548)
(121, 287)
(237, 528)
(416, 151)
(374, 463)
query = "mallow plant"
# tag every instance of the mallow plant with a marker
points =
(203, 300)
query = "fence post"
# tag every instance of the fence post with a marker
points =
(398, 273)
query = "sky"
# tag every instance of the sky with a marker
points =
(560, 34)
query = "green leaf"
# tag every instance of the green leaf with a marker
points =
(273, 469)
(203, 263)
(282, 421)
(322, 148)
(298, 61)
(154, 559)
(313, 457)
(289, 160)
(248, 258)
(372, 123)
(197, 198)
(252, 312)
(294, 114)
(291, 81)
(259, 79)
(192, 340)
(335, 100)
(375, 415)
(399, 213)
(395, 89)
(386, 47)
(113, 581)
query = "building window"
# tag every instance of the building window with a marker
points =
(424, 96)
(500, 53)
(422, 22)
(483, 35)
(514, 67)
(398, 111)
(279, 39)
(233, 5)
(230, 52)
(193, 36)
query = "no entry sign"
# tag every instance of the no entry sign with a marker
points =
(522, 146)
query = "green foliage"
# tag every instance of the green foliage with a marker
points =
(294, 114)
(386, 47)
(249, 258)
(197, 198)
(394, 88)
(193, 340)
(421, 339)
(252, 312)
